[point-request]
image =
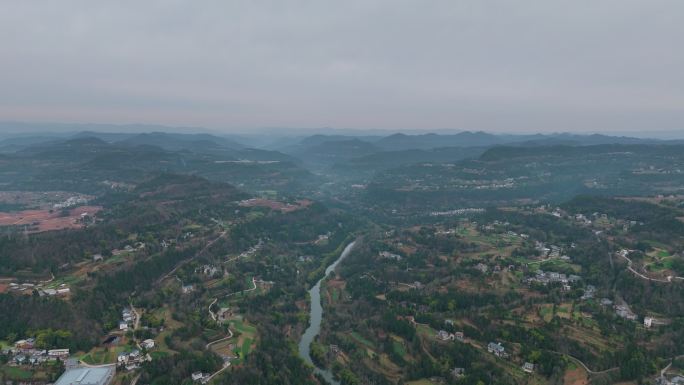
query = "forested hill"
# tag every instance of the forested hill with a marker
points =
(90, 165)
(161, 206)
(505, 153)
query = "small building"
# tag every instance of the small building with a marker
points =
(187, 289)
(98, 258)
(197, 376)
(648, 322)
(528, 367)
(123, 325)
(625, 312)
(148, 344)
(459, 336)
(443, 335)
(58, 353)
(497, 349)
(24, 344)
(50, 292)
(458, 372)
(63, 291)
(389, 255)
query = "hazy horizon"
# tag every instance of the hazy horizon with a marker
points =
(612, 67)
(63, 128)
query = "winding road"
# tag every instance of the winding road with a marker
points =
(244, 291)
(630, 268)
(181, 263)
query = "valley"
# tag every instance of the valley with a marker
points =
(180, 259)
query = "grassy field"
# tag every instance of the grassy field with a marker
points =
(399, 348)
(158, 354)
(559, 265)
(659, 260)
(246, 340)
(68, 280)
(246, 346)
(426, 331)
(170, 326)
(99, 356)
(242, 327)
(362, 340)
(17, 374)
(420, 382)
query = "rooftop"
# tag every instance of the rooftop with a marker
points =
(87, 376)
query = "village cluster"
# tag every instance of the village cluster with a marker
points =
(28, 289)
(24, 352)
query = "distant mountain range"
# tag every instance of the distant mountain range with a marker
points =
(336, 153)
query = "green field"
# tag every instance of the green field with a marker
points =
(157, 355)
(398, 348)
(246, 345)
(242, 328)
(69, 280)
(14, 373)
(660, 259)
(364, 341)
(420, 382)
(560, 265)
(99, 356)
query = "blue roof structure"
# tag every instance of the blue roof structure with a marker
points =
(87, 376)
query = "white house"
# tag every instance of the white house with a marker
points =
(458, 372)
(58, 353)
(528, 367)
(648, 322)
(63, 291)
(443, 335)
(497, 349)
(148, 344)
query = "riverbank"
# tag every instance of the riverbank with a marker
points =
(316, 317)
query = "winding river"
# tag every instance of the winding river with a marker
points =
(316, 316)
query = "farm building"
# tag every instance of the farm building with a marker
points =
(87, 376)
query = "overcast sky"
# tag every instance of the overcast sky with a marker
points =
(516, 66)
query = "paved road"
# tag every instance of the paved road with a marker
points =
(583, 364)
(135, 380)
(181, 263)
(230, 335)
(225, 366)
(137, 317)
(630, 268)
(95, 366)
(244, 291)
(211, 313)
